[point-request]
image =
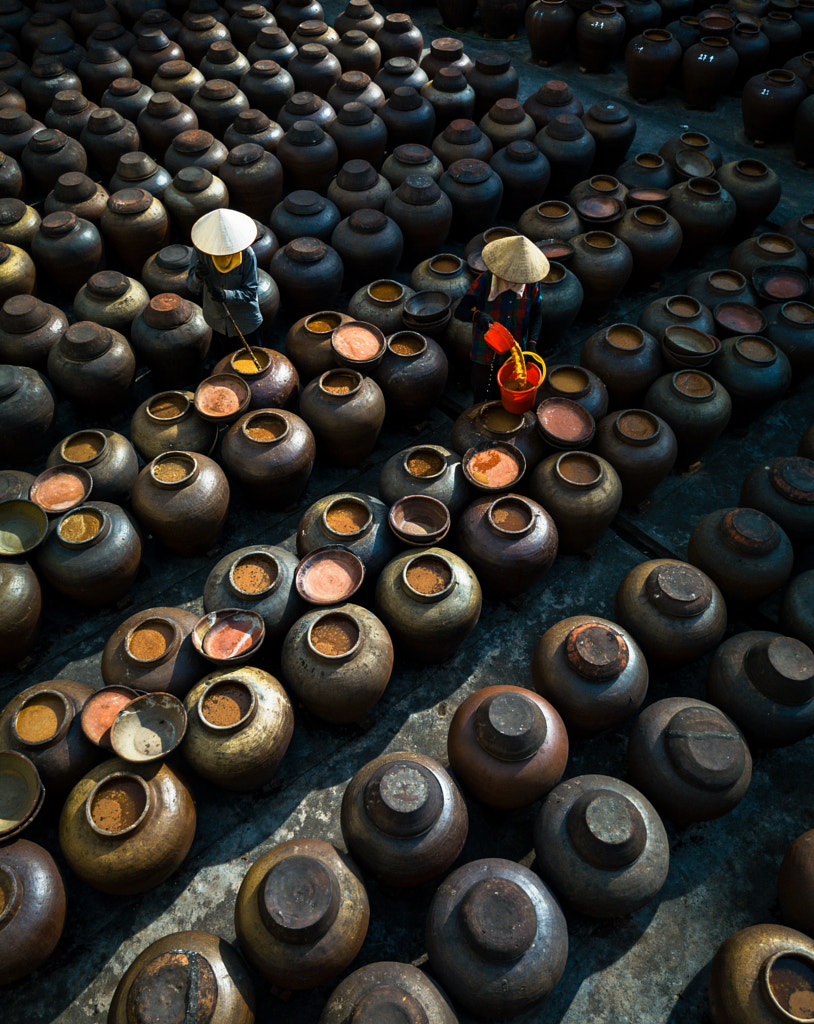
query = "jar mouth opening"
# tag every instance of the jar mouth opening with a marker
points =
(569, 380)
(446, 264)
(756, 349)
(335, 635)
(638, 425)
(554, 210)
(177, 468)
(727, 280)
(788, 984)
(511, 515)
(347, 517)
(343, 383)
(151, 640)
(428, 576)
(704, 186)
(42, 718)
(424, 463)
(653, 216)
(775, 243)
(84, 446)
(406, 344)
(650, 161)
(385, 291)
(168, 407)
(266, 427)
(626, 337)
(227, 703)
(118, 804)
(579, 469)
(684, 306)
(255, 574)
(81, 526)
(325, 322)
(752, 168)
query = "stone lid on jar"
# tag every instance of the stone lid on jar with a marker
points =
(793, 478)
(353, 81)
(355, 113)
(124, 86)
(469, 171)
(566, 127)
(245, 154)
(194, 140)
(302, 103)
(299, 899)
(462, 132)
(198, 22)
(368, 222)
(749, 532)
(108, 284)
(398, 23)
(60, 223)
(510, 726)
(167, 311)
(193, 179)
(498, 920)
(403, 97)
(251, 122)
(312, 27)
(105, 121)
(130, 201)
(493, 63)
(705, 748)
(447, 48)
(135, 166)
(521, 151)
(449, 79)
(313, 52)
(418, 190)
(607, 829)
(596, 652)
(265, 68)
(306, 250)
(108, 31)
(252, 11)
(305, 133)
(222, 52)
(152, 40)
(678, 589)
(70, 101)
(218, 89)
(507, 111)
(74, 186)
(174, 69)
(403, 799)
(355, 37)
(177, 985)
(174, 257)
(608, 112)
(303, 202)
(164, 104)
(356, 176)
(23, 313)
(272, 37)
(12, 211)
(13, 122)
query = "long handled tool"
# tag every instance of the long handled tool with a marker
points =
(239, 333)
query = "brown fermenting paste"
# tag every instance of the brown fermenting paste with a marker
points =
(511, 517)
(494, 467)
(334, 635)
(82, 448)
(254, 574)
(424, 462)
(167, 407)
(150, 641)
(170, 471)
(118, 804)
(80, 526)
(347, 517)
(428, 576)
(226, 704)
(340, 383)
(39, 720)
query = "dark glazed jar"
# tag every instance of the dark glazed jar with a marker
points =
(167, 270)
(253, 126)
(743, 551)
(411, 159)
(551, 100)
(640, 446)
(754, 186)
(356, 51)
(305, 106)
(496, 938)
(267, 86)
(43, 722)
(475, 192)
(508, 746)
(791, 328)
(489, 421)
(451, 96)
(569, 148)
(33, 908)
(11, 177)
(308, 343)
(549, 24)
(603, 264)
(197, 33)
(22, 607)
(399, 37)
(412, 376)
(654, 239)
(368, 243)
(769, 103)
(694, 405)
(239, 725)
(272, 43)
(360, 134)
(689, 759)
(193, 969)
(17, 272)
(705, 212)
(613, 129)
(765, 683)
(650, 60)
(47, 155)
(424, 214)
(92, 365)
(377, 990)
(272, 384)
(403, 819)
(445, 51)
(784, 491)
(400, 72)
(314, 69)
(179, 78)
(246, 22)
(601, 846)
(304, 214)
(361, 15)
(217, 103)
(551, 219)
(578, 385)
(581, 492)
(768, 249)
(16, 128)
(107, 456)
(106, 137)
(127, 96)
(337, 662)
(172, 338)
(524, 172)
(182, 498)
(136, 224)
(26, 413)
(627, 359)
(29, 328)
(195, 149)
(462, 139)
(510, 542)
(168, 422)
(125, 827)
(309, 156)
(712, 287)
(675, 611)
(794, 883)
(100, 67)
(111, 300)
(358, 187)
(153, 48)
(592, 671)
(599, 34)
(19, 223)
(355, 87)
(350, 520)
(429, 470)
(708, 70)
(93, 556)
(753, 371)
(223, 61)
(138, 170)
(193, 192)
(493, 77)
(308, 273)
(430, 602)
(345, 411)
(299, 941)
(646, 171)
(152, 651)
(254, 180)
(271, 454)
(42, 81)
(164, 117)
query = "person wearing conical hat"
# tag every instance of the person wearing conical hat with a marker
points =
(508, 292)
(224, 270)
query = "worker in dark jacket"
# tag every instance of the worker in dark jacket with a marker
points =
(509, 292)
(224, 269)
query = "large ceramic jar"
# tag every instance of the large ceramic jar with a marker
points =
(167, 271)
(239, 725)
(125, 827)
(78, 194)
(769, 102)
(412, 376)
(42, 81)
(153, 651)
(708, 69)
(195, 149)
(305, 106)
(179, 78)
(34, 909)
(361, 134)
(274, 385)
(650, 60)
(705, 212)
(689, 759)
(654, 239)
(549, 25)
(368, 243)
(603, 264)
(462, 139)
(754, 186)
(592, 671)
(601, 846)
(171, 336)
(496, 938)
(106, 137)
(164, 117)
(360, 15)
(126, 96)
(694, 405)
(69, 112)
(790, 327)
(253, 126)
(337, 662)
(674, 611)
(493, 77)
(508, 746)
(712, 287)
(308, 342)
(770, 248)
(524, 172)
(403, 819)
(43, 723)
(92, 365)
(182, 498)
(794, 883)
(68, 249)
(217, 103)
(357, 186)
(613, 129)
(195, 970)
(18, 274)
(152, 49)
(308, 272)
(272, 43)
(197, 33)
(381, 304)
(19, 223)
(784, 491)
(424, 214)
(378, 989)
(570, 150)
(304, 214)
(26, 413)
(16, 129)
(345, 411)
(48, 154)
(223, 61)
(271, 454)
(627, 359)
(765, 683)
(582, 494)
(475, 192)
(109, 299)
(301, 914)
(254, 178)
(309, 156)
(796, 615)
(489, 421)
(600, 33)
(315, 69)
(430, 602)
(168, 421)
(22, 608)
(425, 469)
(93, 555)
(753, 370)
(408, 160)
(746, 554)
(399, 37)
(11, 177)
(640, 446)
(246, 22)
(107, 456)
(350, 520)
(193, 192)
(400, 72)
(136, 225)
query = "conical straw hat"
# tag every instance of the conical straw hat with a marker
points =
(223, 232)
(515, 259)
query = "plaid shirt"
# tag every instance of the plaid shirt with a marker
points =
(522, 316)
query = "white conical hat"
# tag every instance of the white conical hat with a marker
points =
(223, 232)
(515, 259)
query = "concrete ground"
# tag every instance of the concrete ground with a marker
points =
(650, 968)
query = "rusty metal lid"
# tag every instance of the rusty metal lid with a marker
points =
(749, 532)
(498, 919)
(782, 668)
(705, 748)
(510, 726)
(109, 284)
(596, 652)
(245, 154)
(386, 1004)
(217, 90)
(793, 477)
(306, 250)
(177, 987)
(193, 179)
(60, 223)
(222, 51)
(606, 829)
(299, 899)
(403, 798)
(166, 311)
(129, 202)
(194, 140)
(678, 589)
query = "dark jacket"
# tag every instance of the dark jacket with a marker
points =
(239, 288)
(522, 317)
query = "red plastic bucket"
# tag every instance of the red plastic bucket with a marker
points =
(519, 401)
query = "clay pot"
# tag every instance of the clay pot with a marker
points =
(803, 120)
(274, 385)
(650, 61)
(345, 411)
(78, 194)
(106, 137)
(271, 454)
(408, 160)
(581, 492)
(569, 149)
(93, 556)
(69, 112)
(182, 498)
(551, 219)
(217, 103)
(357, 51)
(22, 608)
(508, 746)
(19, 223)
(138, 170)
(794, 883)
(768, 249)
(743, 551)
(599, 35)
(26, 413)
(381, 304)
(405, 839)
(315, 69)
(253, 127)
(164, 117)
(48, 154)
(195, 149)
(272, 43)
(613, 129)
(646, 171)
(69, 249)
(193, 192)
(17, 272)
(475, 192)
(705, 212)
(399, 37)
(204, 967)
(361, 134)
(769, 103)
(791, 328)
(197, 33)
(430, 602)
(223, 61)
(485, 915)
(627, 359)
(549, 24)
(308, 343)
(694, 405)
(136, 224)
(425, 469)
(306, 106)
(111, 300)
(126, 827)
(367, 241)
(524, 172)
(167, 271)
(152, 651)
(16, 129)
(754, 186)
(42, 81)
(172, 338)
(92, 365)
(317, 943)
(462, 139)
(784, 491)
(654, 239)
(601, 871)
(674, 611)
(128, 97)
(380, 988)
(11, 177)
(708, 70)
(796, 618)
(400, 72)
(591, 671)
(490, 422)
(309, 156)
(107, 456)
(350, 520)
(603, 264)
(304, 214)
(753, 371)
(43, 722)
(308, 272)
(179, 78)
(168, 422)
(710, 288)
(357, 186)
(361, 15)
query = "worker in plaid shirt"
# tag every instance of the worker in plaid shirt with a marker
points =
(510, 293)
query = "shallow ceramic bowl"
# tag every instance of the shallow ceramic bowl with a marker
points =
(781, 284)
(58, 508)
(212, 403)
(329, 575)
(564, 423)
(23, 526)
(431, 329)
(344, 359)
(688, 347)
(215, 636)
(689, 163)
(478, 479)
(100, 710)
(149, 728)
(735, 318)
(427, 307)
(648, 196)
(556, 250)
(419, 519)
(21, 793)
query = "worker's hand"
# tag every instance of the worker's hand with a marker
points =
(482, 321)
(216, 293)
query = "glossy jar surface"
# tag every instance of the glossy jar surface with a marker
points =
(108, 457)
(345, 411)
(21, 600)
(784, 491)
(377, 989)
(582, 494)
(425, 469)
(271, 454)
(640, 446)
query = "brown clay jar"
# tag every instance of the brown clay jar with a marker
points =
(106, 455)
(136, 225)
(272, 43)
(171, 336)
(22, 609)
(11, 178)
(411, 159)
(48, 154)
(640, 446)
(111, 300)
(267, 86)
(306, 106)
(412, 376)
(178, 77)
(592, 671)
(16, 128)
(378, 988)
(164, 117)
(695, 406)
(182, 498)
(273, 383)
(167, 271)
(582, 494)
(491, 422)
(152, 651)
(424, 214)
(578, 385)
(18, 274)
(68, 248)
(127, 96)
(106, 137)
(345, 411)
(308, 342)
(309, 156)
(367, 241)
(352, 520)
(78, 194)
(197, 33)
(253, 126)
(217, 103)
(308, 273)
(168, 421)
(69, 112)
(254, 178)
(784, 490)
(26, 413)
(92, 365)
(603, 264)
(138, 170)
(357, 51)
(195, 149)
(508, 746)
(19, 223)
(627, 359)
(271, 454)
(224, 61)
(794, 884)
(399, 37)
(359, 134)
(193, 192)
(152, 49)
